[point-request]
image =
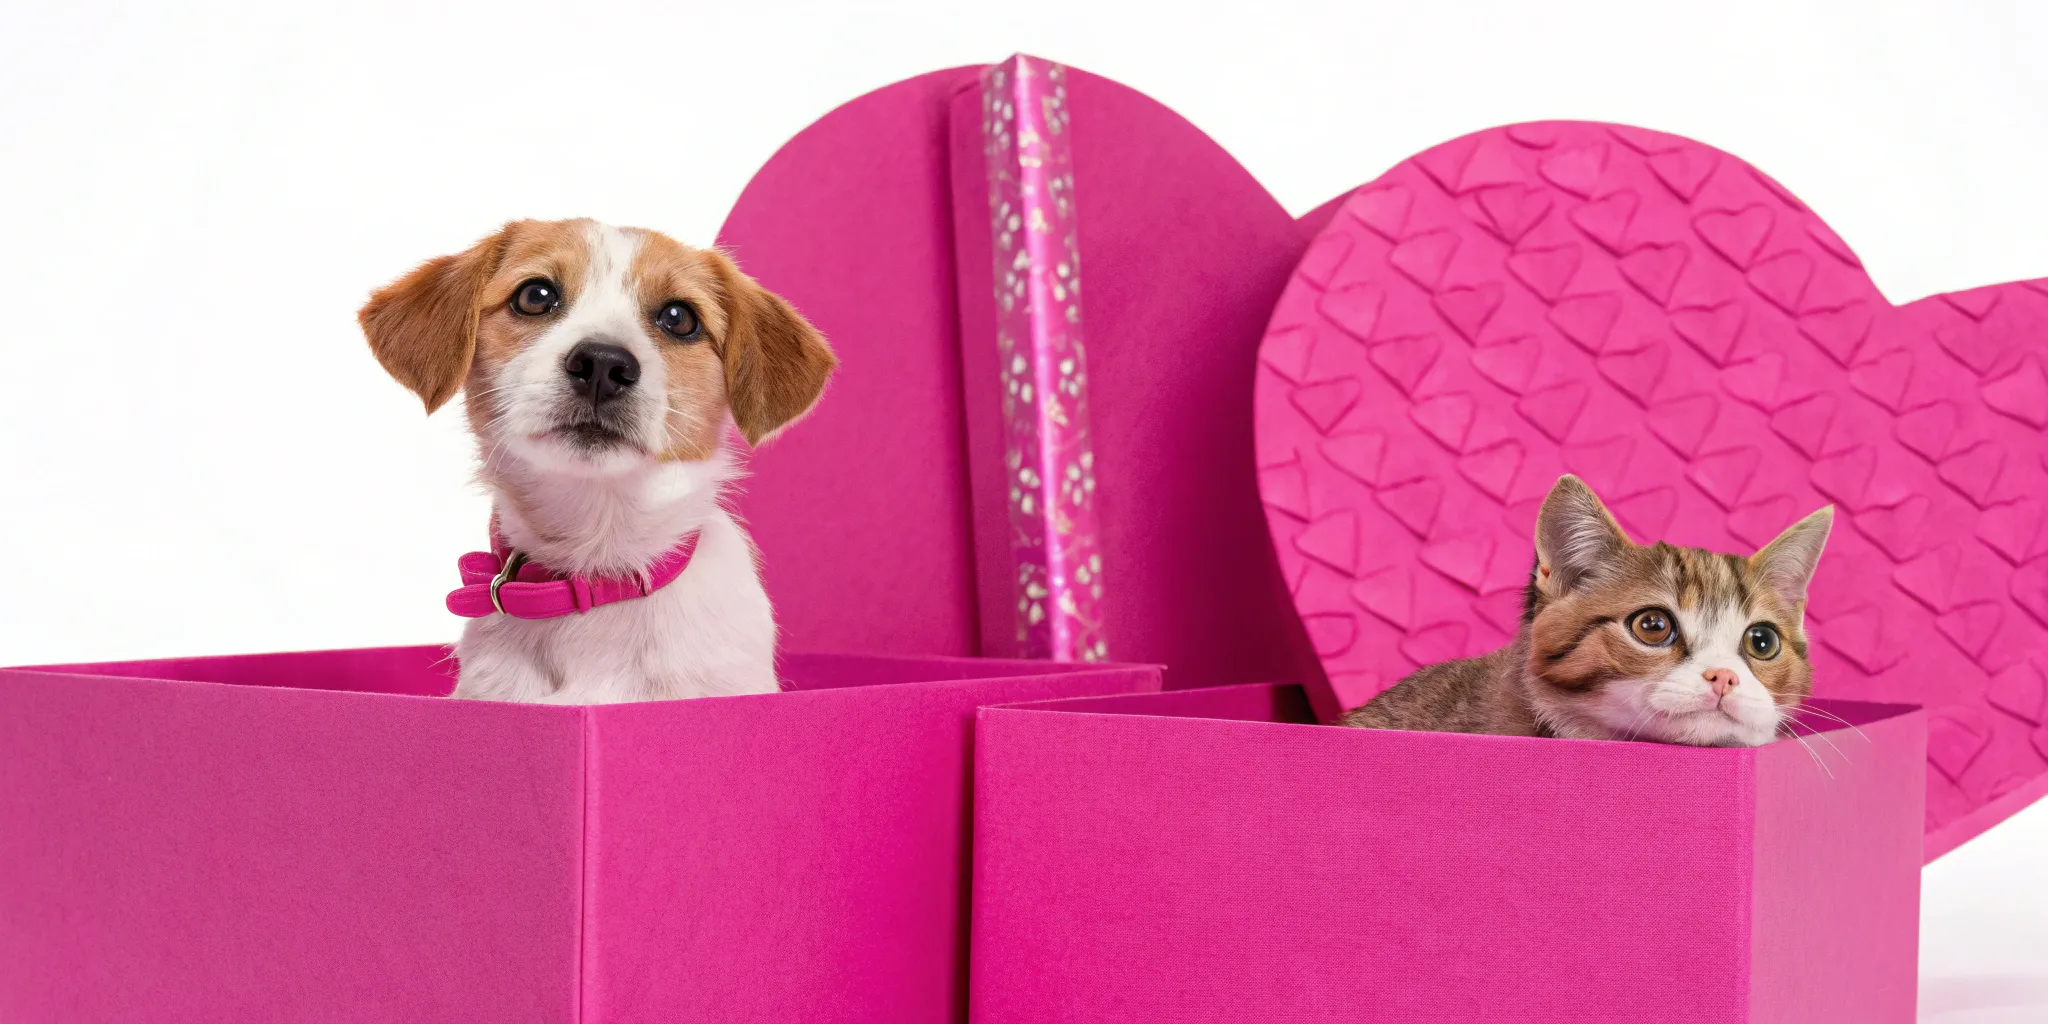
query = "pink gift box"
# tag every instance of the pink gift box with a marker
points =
(1209, 855)
(327, 843)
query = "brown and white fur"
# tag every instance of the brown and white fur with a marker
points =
(600, 467)
(1584, 666)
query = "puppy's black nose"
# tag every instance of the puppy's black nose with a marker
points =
(599, 370)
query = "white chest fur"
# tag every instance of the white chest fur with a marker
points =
(711, 632)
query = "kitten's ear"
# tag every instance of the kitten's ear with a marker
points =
(1786, 565)
(1575, 535)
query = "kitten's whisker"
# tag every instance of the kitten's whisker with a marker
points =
(1830, 716)
(1790, 729)
(1823, 734)
(1823, 737)
(1810, 752)
(1642, 719)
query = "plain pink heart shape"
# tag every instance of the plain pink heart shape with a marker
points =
(1675, 327)
(874, 222)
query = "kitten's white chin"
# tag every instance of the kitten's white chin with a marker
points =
(1715, 727)
(1654, 712)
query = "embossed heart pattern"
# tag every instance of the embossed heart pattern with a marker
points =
(1672, 325)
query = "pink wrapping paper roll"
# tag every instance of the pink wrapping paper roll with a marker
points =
(1036, 272)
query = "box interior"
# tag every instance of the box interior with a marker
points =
(1288, 704)
(429, 671)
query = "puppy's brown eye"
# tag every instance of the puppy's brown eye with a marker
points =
(1652, 626)
(678, 321)
(537, 297)
(1761, 641)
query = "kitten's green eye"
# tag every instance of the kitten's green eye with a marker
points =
(1761, 641)
(1652, 626)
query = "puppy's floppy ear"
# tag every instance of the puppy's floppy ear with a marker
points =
(776, 363)
(422, 327)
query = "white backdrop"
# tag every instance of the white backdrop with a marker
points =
(198, 455)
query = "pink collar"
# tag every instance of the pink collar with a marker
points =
(502, 580)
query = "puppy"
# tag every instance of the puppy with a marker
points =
(604, 370)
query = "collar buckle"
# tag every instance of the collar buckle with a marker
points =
(514, 561)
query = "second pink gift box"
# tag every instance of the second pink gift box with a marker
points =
(1211, 856)
(318, 837)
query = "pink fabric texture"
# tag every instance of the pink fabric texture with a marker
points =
(1203, 856)
(534, 591)
(303, 837)
(850, 221)
(1675, 327)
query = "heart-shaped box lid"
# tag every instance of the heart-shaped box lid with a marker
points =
(1676, 328)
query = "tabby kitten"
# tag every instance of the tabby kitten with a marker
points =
(1621, 641)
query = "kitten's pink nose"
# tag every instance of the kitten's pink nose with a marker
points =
(1721, 679)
